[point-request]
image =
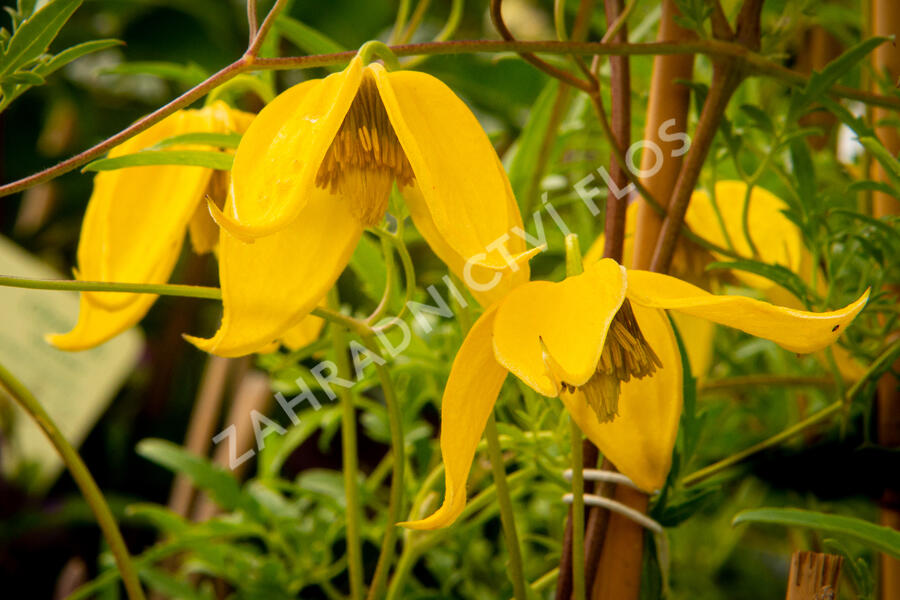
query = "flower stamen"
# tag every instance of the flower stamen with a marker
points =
(365, 156)
(625, 354)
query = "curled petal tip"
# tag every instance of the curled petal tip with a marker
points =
(236, 229)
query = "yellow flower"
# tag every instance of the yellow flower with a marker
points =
(135, 223)
(577, 340)
(317, 166)
(777, 239)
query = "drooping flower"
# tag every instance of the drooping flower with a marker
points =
(581, 340)
(135, 223)
(317, 166)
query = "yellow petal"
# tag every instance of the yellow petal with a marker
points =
(568, 319)
(457, 170)
(275, 165)
(488, 284)
(697, 335)
(796, 330)
(469, 396)
(137, 216)
(640, 439)
(269, 285)
(97, 324)
(775, 236)
(303, 333)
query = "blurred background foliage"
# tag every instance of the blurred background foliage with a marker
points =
(280, 530)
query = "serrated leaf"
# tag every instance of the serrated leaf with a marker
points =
(34, 35)
(23, 78)
(73, 52)
(883, 539)
(186, 158)
(221, 485)
(367, 264)
(777, 273)
(218, 140)
(190, 74)
(306, 38)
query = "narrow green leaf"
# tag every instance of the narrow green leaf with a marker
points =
(804, 171)
(190, 74)
(880, 538)
(777, 273)
(34, 35)
(219, 140)
(306, 38)
(24, 78)
(146, 158)
(819, 82)
(73, 52)
(759, 117)
(221, 485)
(884, 157)
(528, 146)
(872, 186)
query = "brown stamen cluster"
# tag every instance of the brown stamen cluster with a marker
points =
(365, 156)
(625, 354)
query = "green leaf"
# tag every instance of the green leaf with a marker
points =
(34, 35)
(72, 53)
(221, 485)
(872, 186)
(308, 39)
(759, 117)
(24, 78)
(883, 539)
(777, 273)
(188, 158)
(805, 172)
(305, 37)
(190, 74)
(884, 157)
(819, 82)
(528, 146)
(219, 140)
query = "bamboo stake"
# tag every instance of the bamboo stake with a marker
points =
(885, 20)
(621, 560)
(814, 576)
(668, 100)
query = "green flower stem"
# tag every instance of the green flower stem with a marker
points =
(424, 541)
(79, 471)
(161, 289)
(387, 250)
(876, 368)
(574, 267)
(577, 513)
(395, 506)
(507, 516)
(409, 273)
(755, 63)
(350, 464)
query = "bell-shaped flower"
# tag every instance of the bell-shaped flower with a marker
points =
(600, 342)
(317, 166)
(135, 223)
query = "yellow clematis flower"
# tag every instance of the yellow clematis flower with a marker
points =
(135, 223)
(581, 338)
(777, 239)
(317, 166)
